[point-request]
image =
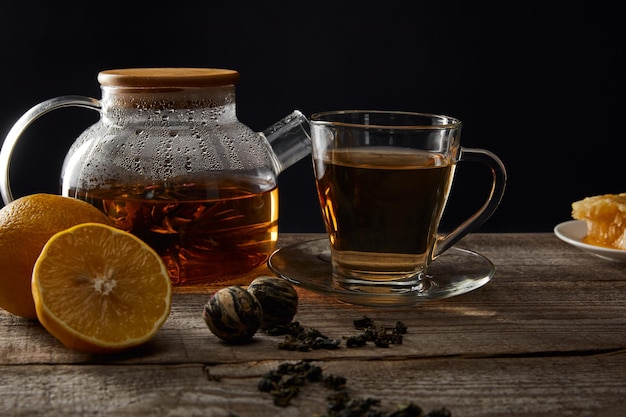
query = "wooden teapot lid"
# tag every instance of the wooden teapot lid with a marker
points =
(168, 77)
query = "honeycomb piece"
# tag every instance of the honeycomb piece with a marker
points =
(605, 216)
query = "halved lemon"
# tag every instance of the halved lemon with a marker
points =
(99, 289)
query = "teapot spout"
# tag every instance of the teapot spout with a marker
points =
(290, 139)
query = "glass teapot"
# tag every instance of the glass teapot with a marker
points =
(170, 162)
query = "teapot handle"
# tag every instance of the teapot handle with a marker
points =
(23, 122)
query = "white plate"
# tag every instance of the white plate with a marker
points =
(574, 231)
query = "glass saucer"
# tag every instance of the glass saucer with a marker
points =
(307, 264)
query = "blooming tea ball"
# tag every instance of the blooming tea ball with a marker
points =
(278, 299)
(233, 314)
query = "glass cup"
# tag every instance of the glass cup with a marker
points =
(383, 180)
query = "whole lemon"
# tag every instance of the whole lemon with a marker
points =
(26, 225)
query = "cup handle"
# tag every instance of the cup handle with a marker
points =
(489, 207)
(23, 122)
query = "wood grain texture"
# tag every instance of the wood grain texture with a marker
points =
(546, 337)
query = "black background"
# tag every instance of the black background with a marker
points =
(541, 84)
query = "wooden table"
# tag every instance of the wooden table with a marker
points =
(546, 337)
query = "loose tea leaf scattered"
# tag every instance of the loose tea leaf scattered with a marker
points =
(341, 404)
(285, 382)
(335, 382)
(382, 336)
(299, 338)
(363, 323)
(302, 339)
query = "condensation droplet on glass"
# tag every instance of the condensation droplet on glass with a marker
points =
(149, 194)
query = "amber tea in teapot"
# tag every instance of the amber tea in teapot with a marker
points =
(197, 236)
(170, 162)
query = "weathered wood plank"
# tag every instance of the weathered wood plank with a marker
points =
(546, 308)
(471, 325)
(533, 387)
(546, 337)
